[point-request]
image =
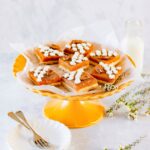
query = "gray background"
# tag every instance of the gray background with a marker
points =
(32, 21)
(41, 20)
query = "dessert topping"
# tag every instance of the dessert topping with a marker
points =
(74, 75)
(111, 70)
(81, 47)
(77, 58)
(50, 51)
(104, 52)
(78, 75)
(40, 72)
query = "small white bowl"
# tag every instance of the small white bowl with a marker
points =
(54, 132)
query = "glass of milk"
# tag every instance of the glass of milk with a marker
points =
(133, 43)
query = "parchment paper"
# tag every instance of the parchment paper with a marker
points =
(99, 32)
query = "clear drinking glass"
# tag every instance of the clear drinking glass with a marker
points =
(133, 43)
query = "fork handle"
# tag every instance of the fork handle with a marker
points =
(14, 117)
(22, 116)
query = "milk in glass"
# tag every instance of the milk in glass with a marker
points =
(133, 43)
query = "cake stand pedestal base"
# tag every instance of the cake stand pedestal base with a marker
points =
(74, 114)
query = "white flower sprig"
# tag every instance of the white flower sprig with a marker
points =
(129, 146)
(109, 87)
(136, 101)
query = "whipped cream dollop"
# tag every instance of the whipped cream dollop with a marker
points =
(74, 75)
(110, 69)
(40, 72)
(50, 51)
(80, 47)
(77, 58)
(104, 52)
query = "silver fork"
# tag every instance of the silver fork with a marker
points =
(38, 140)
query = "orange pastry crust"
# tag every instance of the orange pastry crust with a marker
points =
(51, 78)
(100, 74)
(64, 63)
(48, 59)
(69, 50)
(87, 83)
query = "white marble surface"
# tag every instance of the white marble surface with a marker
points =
(33, 21)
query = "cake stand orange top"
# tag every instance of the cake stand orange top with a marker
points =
(20, 63)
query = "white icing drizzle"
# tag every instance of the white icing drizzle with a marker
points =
(74, 75)
(39, 72)
(78, 75)
(77, 58)
(104, 52)
(111, 70)
(98, 53)
(49, 51)
(82, 47)
(71, 75)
